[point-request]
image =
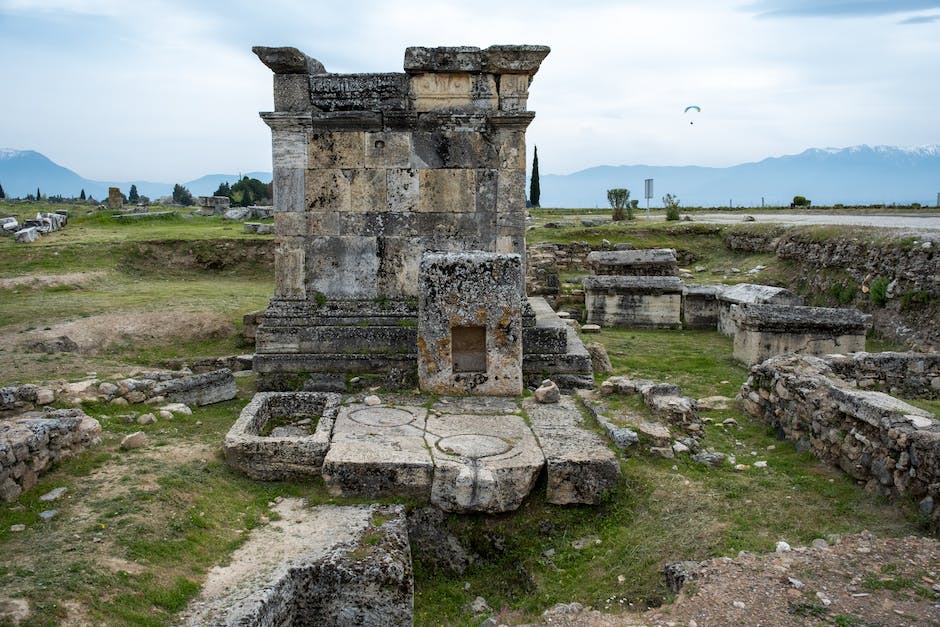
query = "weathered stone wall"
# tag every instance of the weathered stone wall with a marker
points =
(891, 446)
(31, 446)
(911, 375)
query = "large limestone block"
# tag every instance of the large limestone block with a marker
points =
(482, 463)
(199, 389)
(449, 190)
(378, 452)
(367, 190)
(336, 149)
(440, 91)
(388, 150)
(401, 190)
(327, 190)
(580, 467)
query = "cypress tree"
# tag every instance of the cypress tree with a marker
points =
(133, 196)
(38, 197)
(82, 195)
(534, 191)
(2, 194)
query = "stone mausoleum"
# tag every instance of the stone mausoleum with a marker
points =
(372, 172)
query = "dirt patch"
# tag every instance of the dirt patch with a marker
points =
(96, 333)
(39, 281)
(860, 580)
(176, 256)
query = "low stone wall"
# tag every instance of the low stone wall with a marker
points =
(30, 446)
(912, 375)
(891, 446)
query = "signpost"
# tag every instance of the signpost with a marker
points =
(649, 194)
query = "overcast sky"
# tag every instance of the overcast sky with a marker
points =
(167, 90)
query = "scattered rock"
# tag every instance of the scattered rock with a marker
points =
(590, 328)
(17, 528)
(479, 606)
(177, 408)
(586, 541)
(372, 400)
(548, 392)
(714, 402)
(782, 547)
(53, 494)
(138, 439)
(146, 419)
(48, 514)
(600, 360)
(709, 458)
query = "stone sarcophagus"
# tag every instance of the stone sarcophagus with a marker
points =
(370, 172)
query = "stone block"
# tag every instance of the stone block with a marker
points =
(630, 301)
(199, 389)
(387, 150)
(401, 190)
(252, 448)
(289, 269)
(367, 190)
(343, 267)
(749, 293)
(336, 149)
(470, 324)
(289, 189)
(580, 468)
(360, 92)
(482, 463)
(636, 262)
(327, 190)
(289, 148)
(446, 190)
(27, 235)
(513, 92)
(292, 224)
(420, 59)
(506, 59)
(378, 452)
(440, 91)
(291, 92)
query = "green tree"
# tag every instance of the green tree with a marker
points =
(38, 195)
(2, 194)
(182, 196)
(618, 198)
(133, 196)
(671, 203)
(534, 191)
(82, 195)
(801, 201)
(248, 191)
(224, 190)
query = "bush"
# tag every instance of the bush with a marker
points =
(878, 292)
(671, 203)
(843, 293)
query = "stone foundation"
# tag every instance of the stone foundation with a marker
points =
(29, 446)
(912, 375)
(763, 331)
(891, 446)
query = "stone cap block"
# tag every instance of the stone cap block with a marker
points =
(634, 284)
(288, 60)
(443, 59)
(787, 318)
(753, 293)
(702, 291)
(509, 59)
(633, 256)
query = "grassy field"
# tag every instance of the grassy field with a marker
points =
(138, 530)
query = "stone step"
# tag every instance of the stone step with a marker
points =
(337, 339)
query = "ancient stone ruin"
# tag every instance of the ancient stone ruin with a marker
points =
(634, 288)
(372, 171)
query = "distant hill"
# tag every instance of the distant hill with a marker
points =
(22, 171)
(858, 175)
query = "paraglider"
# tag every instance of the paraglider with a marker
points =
(695, 108)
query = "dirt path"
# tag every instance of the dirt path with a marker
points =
(862, 580)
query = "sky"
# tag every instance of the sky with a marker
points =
(169, 90)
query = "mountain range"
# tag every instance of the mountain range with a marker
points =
(23, 171)
(860, 175)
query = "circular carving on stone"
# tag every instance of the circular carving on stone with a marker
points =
(381, 416)
(473, 445)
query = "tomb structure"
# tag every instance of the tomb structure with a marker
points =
(749, 293)
(634, 289)
(700, 306)
(372, 171)
(762, 331)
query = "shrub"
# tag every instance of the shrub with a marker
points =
(843, 293)
(878, 292)
(671, 203)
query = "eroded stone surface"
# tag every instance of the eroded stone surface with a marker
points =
(483, 463)
(379, 451)
(580, 467)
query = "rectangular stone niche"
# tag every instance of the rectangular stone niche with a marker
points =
(470, 323)
(468, 349)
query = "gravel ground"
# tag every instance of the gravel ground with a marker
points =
(859, 580)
